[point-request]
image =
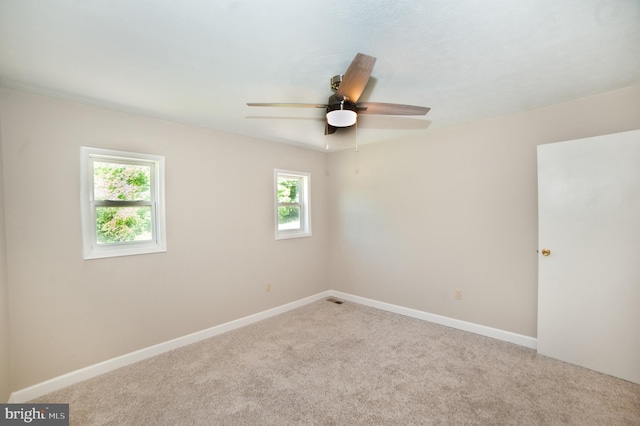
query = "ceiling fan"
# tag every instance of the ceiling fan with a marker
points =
(343, 106)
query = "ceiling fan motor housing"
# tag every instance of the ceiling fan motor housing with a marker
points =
(335, 81)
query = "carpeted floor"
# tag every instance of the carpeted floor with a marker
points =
(347, 364)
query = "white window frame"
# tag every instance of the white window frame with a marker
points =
(304, 204)
(90, 247)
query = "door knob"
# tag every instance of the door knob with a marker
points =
(546, 252)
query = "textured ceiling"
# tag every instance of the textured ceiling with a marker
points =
(200, 61)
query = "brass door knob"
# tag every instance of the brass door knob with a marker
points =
(546, 252)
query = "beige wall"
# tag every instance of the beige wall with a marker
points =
(5, 365)
(415, 219)
(67, 313)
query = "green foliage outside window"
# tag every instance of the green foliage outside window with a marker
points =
(288, 192)
(118, 224)
(122, 182)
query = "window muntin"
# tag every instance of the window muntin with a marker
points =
(292, 204)
(122, 203)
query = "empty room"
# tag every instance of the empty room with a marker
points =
(319, 213)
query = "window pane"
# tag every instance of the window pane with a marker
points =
(288, 217)
(288, 190)
(119, 224)
(124, 182)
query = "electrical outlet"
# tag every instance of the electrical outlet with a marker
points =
(458, 294)
(268, 289)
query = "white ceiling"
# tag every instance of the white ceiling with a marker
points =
(199, 61)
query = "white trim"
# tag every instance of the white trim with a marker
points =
(483, 330)
(90, 250)
(91, 371)
(94, 370)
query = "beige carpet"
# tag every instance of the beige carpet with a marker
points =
(330, 364)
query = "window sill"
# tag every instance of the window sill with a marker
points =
(288, 236)
(123, 250)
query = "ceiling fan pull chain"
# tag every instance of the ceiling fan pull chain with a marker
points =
(357, 149)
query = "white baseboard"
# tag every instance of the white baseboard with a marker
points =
(91, 371)
(507, 336)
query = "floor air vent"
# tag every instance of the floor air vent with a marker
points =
(334, 300)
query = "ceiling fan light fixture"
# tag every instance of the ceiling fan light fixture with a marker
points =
(342, 115)
(341, 118)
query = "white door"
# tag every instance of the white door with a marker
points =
(589, 283)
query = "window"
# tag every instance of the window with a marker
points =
(293, 212)
(122, 201)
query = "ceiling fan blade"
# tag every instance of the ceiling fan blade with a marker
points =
(329, 129)
(356, 77)
(287, 105)
(382, 108)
